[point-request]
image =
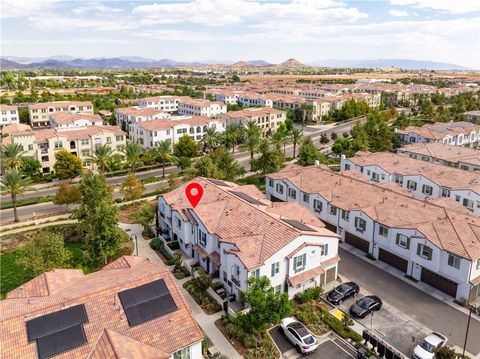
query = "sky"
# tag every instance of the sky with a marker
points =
(199, 30)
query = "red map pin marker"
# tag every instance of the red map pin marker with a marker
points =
(194, 192)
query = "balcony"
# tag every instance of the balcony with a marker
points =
(236, 281)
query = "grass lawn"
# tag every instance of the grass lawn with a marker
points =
(13, 274)
(257, 180)
(26, 201)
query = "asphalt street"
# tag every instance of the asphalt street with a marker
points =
(422, 307)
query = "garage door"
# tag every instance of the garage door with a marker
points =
(331, 274)
(439, 282)
(393, 260)
(275, 199)
(357, 242)
(330, 227)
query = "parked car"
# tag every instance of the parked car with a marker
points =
(425, 349)
(365, 305)
(344, 291)
(298, 335)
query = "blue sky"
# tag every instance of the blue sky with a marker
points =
(189, 30)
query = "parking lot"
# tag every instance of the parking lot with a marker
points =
(332, 347)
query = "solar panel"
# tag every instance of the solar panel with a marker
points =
(59, 331)
(247, 198)
(147, 302)
(299, 225)
(219, 183)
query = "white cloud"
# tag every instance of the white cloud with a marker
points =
(449, 6)
(21, 8)
(95, 7)
(397, 13)
(55, 22)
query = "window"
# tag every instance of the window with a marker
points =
(279, 188)
(109, 140)
(468, 203)
(383, 231)
(478, 264)
(403, 241)
(58, 144)
(270, 182)
(275, 268)
(424, 251)
(453, 261)
(292, 193)
(202, 238)
(30, 147)
(119, 138)
(299, 262)
(398, 179)
(179, 223)
(182, 354)
(237, 270)
(306, 197)
(85, 142)
(426, 189)
(345, 215)
(277, 290)
(347, 166)
(225, 278)
(457, 198)
(255, 273)
(333, 210)
(412, 185)
(317, 205)
(360, 224)
(324, 250)
(445, 192)
(375, 177)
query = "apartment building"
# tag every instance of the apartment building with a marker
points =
(149, 133)
(227, 97)
(435, 244)
(466, 159)
(126, 116)
(9, 115)
(235, 233)
(195, 107)
(162, 103)
(73, 120)
(464, 134)
(268, 119)
(40, 112)
(131, 308)
(472, 116)
(43, 144)
(422, 179)
(253, 99)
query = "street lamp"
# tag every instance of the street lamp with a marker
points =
(468, 324)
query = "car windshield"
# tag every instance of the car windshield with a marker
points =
(427, 346)
(341, 288)
(308, 339)
(363, 303)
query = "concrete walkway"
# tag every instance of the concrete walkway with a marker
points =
(205, 321)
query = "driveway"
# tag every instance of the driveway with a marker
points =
(421, 307)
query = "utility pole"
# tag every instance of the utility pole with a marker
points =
(468, 327)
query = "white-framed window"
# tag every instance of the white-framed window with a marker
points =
(383, 231)
(275, 268)
(324, 250)
(458, 198)
(360, 224)
(445, 192)
(237, 270)
(398, 179)
(332, 210)
(317, 205)
(375, 177)
(454, 261)
(347, 166)
(412, 185)
(299, 262)
(426, 189)
(478, 264)
(202, 238)
(468, 203)
(424, 251)
(292, 193)
(306, 198)
(182, 353)
(255, 273)
(279, 188)
(270, 182)
(277, 289)
(402, 241)
(345, 215)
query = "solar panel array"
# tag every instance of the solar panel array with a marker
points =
(299, 225)
(219, 183)
(247, 198)
(59, 331)
(147, 302)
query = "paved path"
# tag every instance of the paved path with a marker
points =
(205, 321)
(421, 306)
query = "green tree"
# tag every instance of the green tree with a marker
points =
(333, 136)
(226, 163)
(145, 216)
(12, 156)
(252, 139)
(131, 188)
(163, 150)
(102, 157)
(182, 162)
(67, 165)
(173, 180)
(343, 146)
(308, 153)
(445, 353)
(43, 253)
(14, 184)
(324, 138)
(270, 159)
(30, 167)
(133, 155)
(205, 167)
(360, 138)
(266, 307)
(185, 147)
(281, 137)
(234, 134)
(66, 194)
(92, 188)
(296, 136)
(210, 139)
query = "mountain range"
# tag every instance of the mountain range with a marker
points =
(131, 62)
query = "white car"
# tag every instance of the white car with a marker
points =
(427, 346)
(299, 335)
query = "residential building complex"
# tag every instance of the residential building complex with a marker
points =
(235, 233)
(162, 103)
(125, 116)
(74, 120)
(473, 116)
(268, 119)
(466, 159)
(422, 179)
(40, 112)
(195, 107)
(44, 143)
(131, 308)
(454, 133)
(435, 244)
(9, 115)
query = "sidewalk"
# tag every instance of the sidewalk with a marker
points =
(205, 321)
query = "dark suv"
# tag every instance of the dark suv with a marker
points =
(344, 291)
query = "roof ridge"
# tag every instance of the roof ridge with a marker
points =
(461, 242)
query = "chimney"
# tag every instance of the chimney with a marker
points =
(317, 162)
(343, 157)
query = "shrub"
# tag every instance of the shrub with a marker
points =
(156, 244)
(310, 294)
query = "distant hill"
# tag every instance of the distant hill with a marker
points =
(383, 63)
(291, 63)
(10, 65)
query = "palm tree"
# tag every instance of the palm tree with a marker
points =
(210, 138)
(281, 137)
(306, 107)
(12, 155)
(133, 152)
(13, 183)
(102, 155)
(296, 137)
(252, 128)
(235, 133)
(253, 139)
(163, 150)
